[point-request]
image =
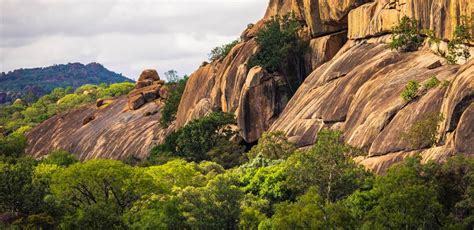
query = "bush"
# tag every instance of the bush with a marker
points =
(170, 108)
(277, 42)
(432, 83)
(272, 145)
(456, 47)
(423, 132)
(219, 53)
(196, 139)
(12, 145)
(406, 35)
(60, 158)
(410, 91)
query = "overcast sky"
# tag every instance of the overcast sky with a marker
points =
(124, 36)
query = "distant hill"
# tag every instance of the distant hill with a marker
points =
(36, 82)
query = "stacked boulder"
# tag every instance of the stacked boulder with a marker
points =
(147, 89)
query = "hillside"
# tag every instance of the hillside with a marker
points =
(354, 114)
(348, 79)
(40, 81)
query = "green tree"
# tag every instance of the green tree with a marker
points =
(220, 52)
(406, 35)
(100, 188)
(12, 145)
(60, 158)
(272, 145)
(198, 137)
(328, 166)
(170, 108)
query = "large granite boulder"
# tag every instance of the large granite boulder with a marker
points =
(147, 89)
(378, 17)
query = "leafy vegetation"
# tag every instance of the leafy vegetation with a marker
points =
(432, 83)
(219, 53)
(456, 46)
(318, 188)
(406, 35)
(280, 49)
(423, 133)
(30, 84)
(411, 90)
(170, 108)
(196, 139)
(19, 116)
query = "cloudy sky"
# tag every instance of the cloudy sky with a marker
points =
(125, 36)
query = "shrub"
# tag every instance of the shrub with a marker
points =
(423, 132)
(196, 139)
(277, 42)
(60, 158)
(432, 83)
(406, 35)
(410, 91)
(219, 53)
(272, 145)
(456, 47)
(170, 108)
(12, 145)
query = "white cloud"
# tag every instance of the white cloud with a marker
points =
(125, 36)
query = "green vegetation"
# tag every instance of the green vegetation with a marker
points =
(219, 53)
(423, 133)
(279, 188)
(411, 90)
(29, 84)
(432, 83)
(406, 35)
(196, 139)
(280, 49)
(170, 108)
(456, 47)
(19, 116)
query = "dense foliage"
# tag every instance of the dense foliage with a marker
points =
(20, 116)
(194, 141)
(170, 108)
(32, 83)
(318, 188)
(280, 49)
(220, 52)
(457, 50)
(406, 36)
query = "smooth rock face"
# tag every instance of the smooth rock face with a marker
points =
(113, 133)
(464, 140)
(358, 92)
(260, 103)
(378, 17)
(324, 48)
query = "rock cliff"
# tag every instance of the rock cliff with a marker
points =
(352, 82)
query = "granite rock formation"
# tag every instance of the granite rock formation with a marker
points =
(352, 83)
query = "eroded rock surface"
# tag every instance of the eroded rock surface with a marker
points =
(378, 17)
(113, 132)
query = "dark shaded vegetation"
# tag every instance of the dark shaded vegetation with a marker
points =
(280, 49)
(220, 52)
(170, 108)
(31, 84)
(275, 187)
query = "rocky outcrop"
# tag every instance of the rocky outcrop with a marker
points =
(378, 17)
(112, 132)
(147, 89)
(358, 92)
